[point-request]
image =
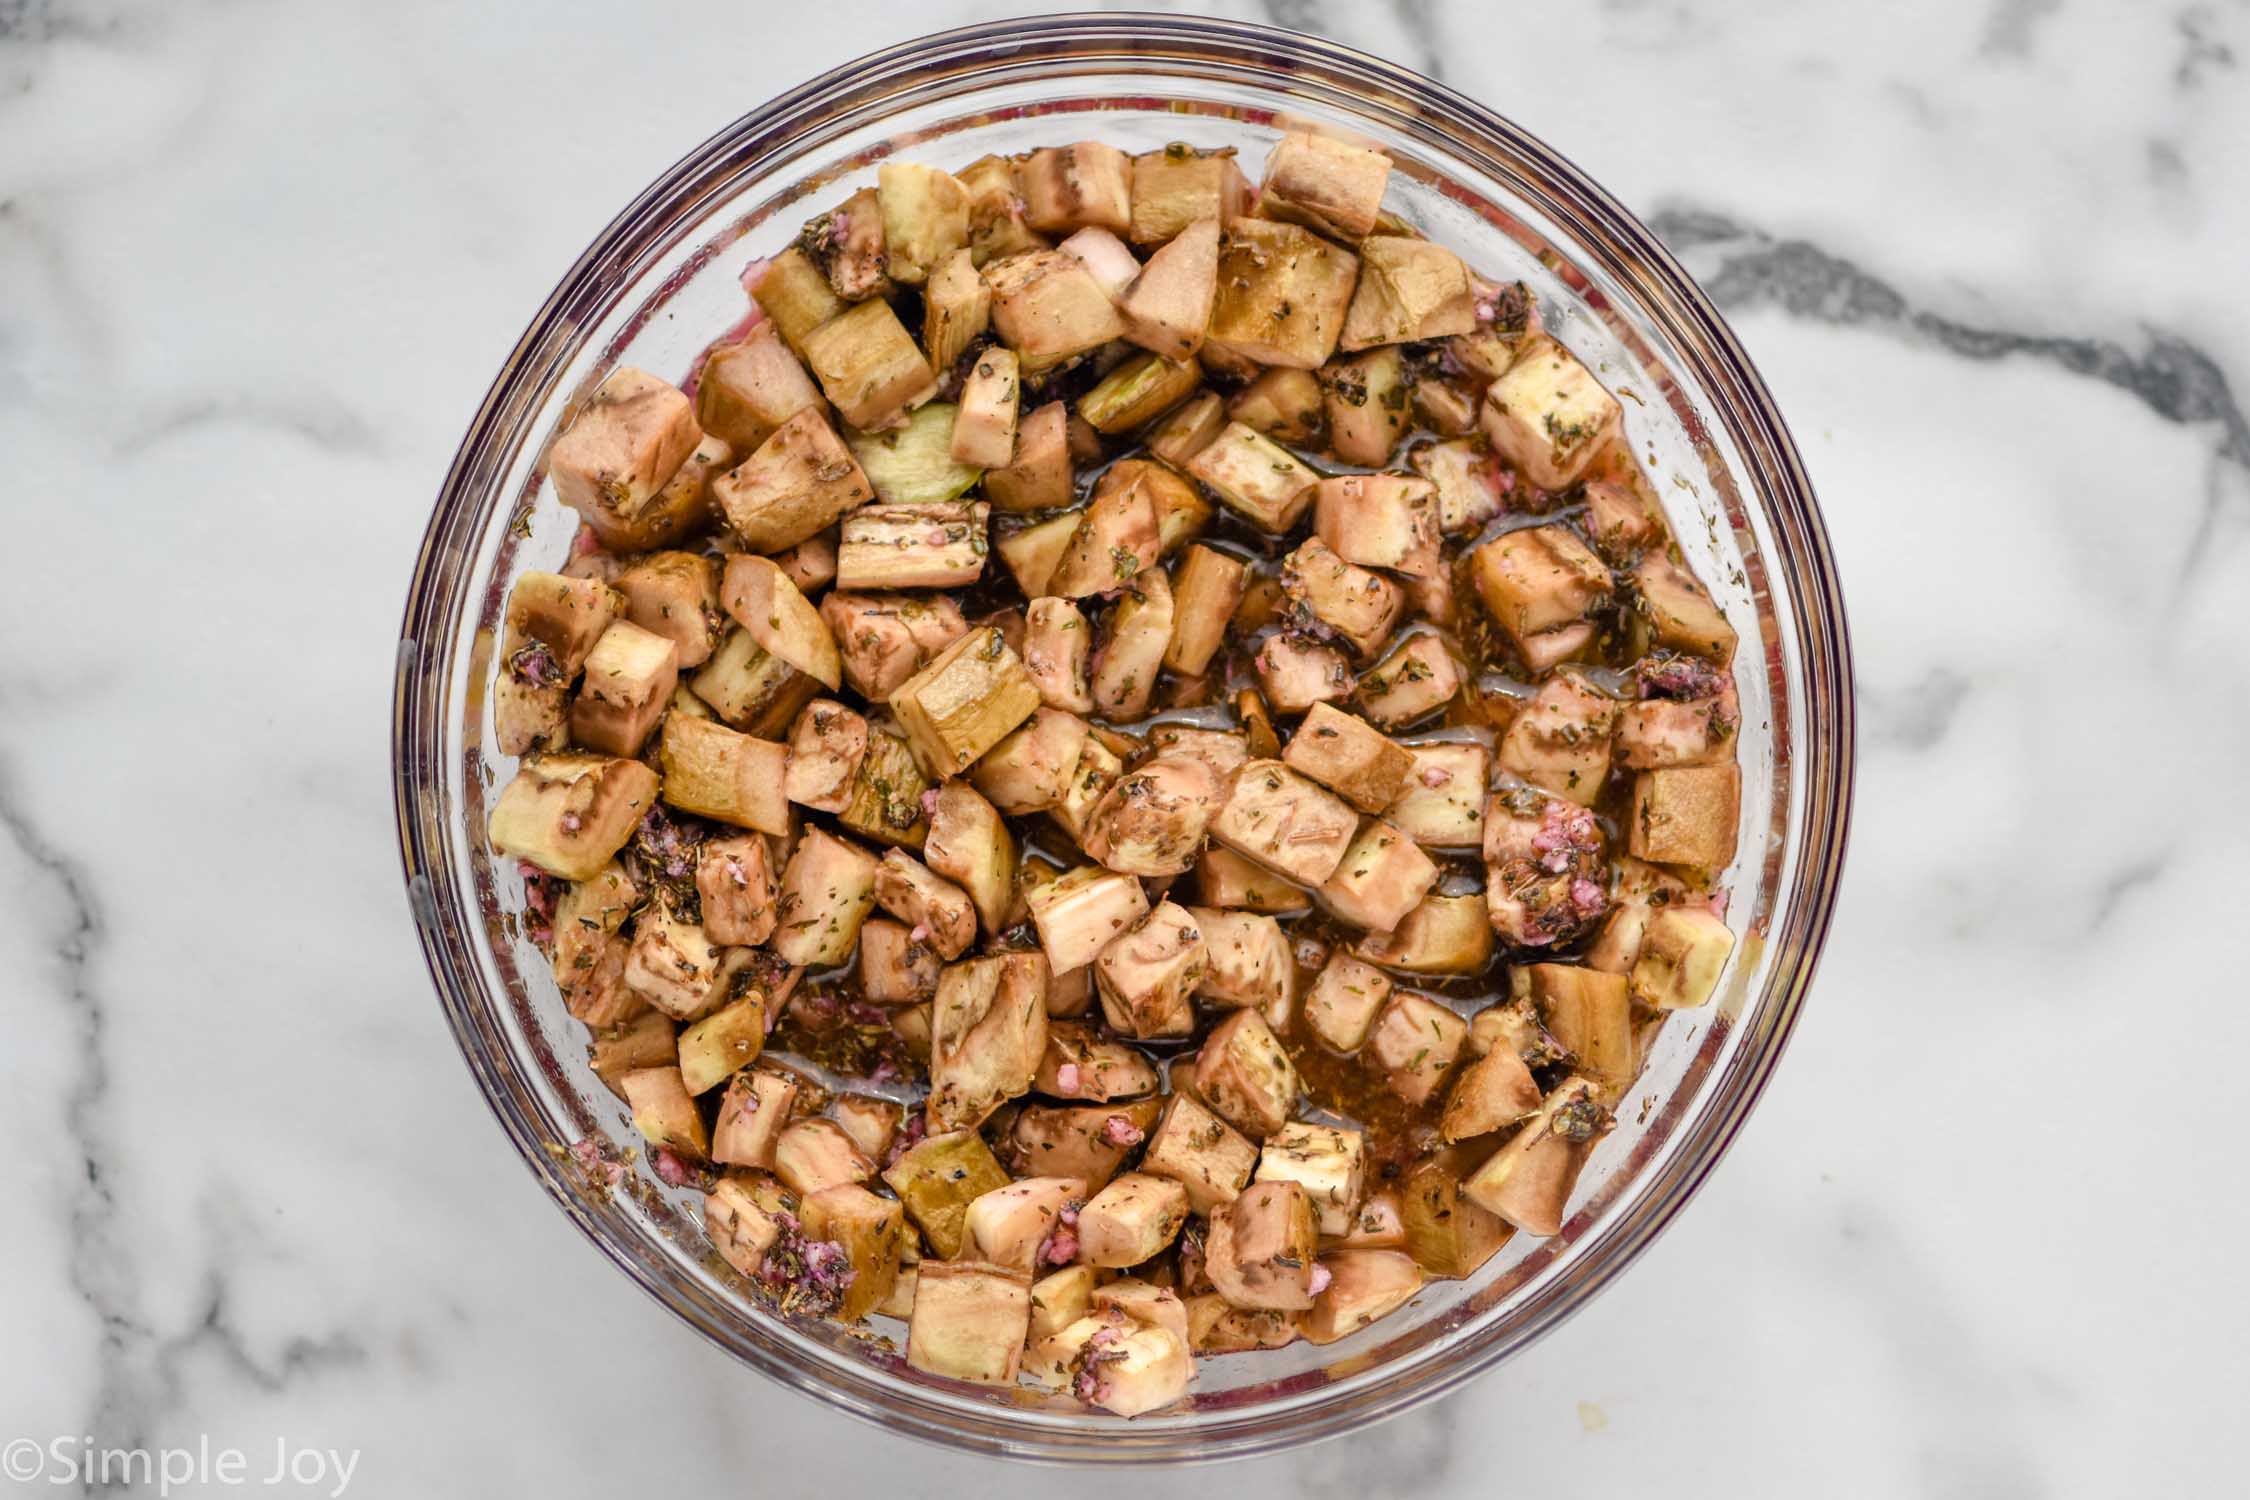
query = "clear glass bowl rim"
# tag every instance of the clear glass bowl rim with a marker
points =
(1800, 562)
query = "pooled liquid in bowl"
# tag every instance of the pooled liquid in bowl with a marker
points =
(1123, 771)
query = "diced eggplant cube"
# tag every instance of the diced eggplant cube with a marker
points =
(1080, 1140)
(1383, 877)
(869, 365)
(1227, 880)
(996, 225)
(825, 751)
(1282, 294)
(1590, 1014)
(1380, 521)
(628, 684)
(1491, 1093)
(1448, 1235)
(886, 800)
(872, 1232)
(910, 462)
(1367, 401)
(1217, 1327)
(1205, 592)
(1363, 1285)
(1561, 739)
(1538, 584)
(956, 313)
(795, 294)
(1131, 1220)
(675, 595)
(913, 546)
(1679, 610)
(1548, 415)
(1360, 606)
(1008, 1225)
(972, 696)
(1137, 392)
(736, 778)
(621, 448)
(1116, 536)
(1409, 290)
(1151, 821)
(988, 1032)
(797, 483)
(526, 717)
(1683, 952)
(1130, 656)
(969, 1321)
(569, 814)
(769, 606)
(734, 878)
(1298, 674)
(1326, 184)
(1286, 822)
(939, 912)
(646, 1040)
(1444, 935)
(1658, 733)
(664, 1111)
(1071, 187)
(1327, 1161)
(1284, 404)
(937, 1178)
(1058, 648)
(894, 967)
(1255, 477)
(1529, 1179)
(1167, 307)
(886, 638)
(1249, 962)
(1349, 757)
(1030, 769)
(970, 845)
(1039, 478)
(827, 890)
(1687, 815)
(749, 688)
(1245, 1076)
(1343, 1002)
(1468, 483)
(810, 1155)
(743, 1219)
(1146, 975)
(1415, 1042)
(1083, 912)
(984, 429)
(1175, 188)
(1416, 679)
(1081, 1063)
(751, 1117)
(748, 389)
(1261, 1248)
(1110, 259)
(1210, 1159)
(1048, 307)
(925, 218)
(1060, 1299)
(846, 243)
(1188, 429)
(675, 966)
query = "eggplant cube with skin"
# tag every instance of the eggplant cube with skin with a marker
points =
(1327, 1161)
(1209, 1158)
(1341, 1006)
(956, 313)
(988, 1031)
(969, 1321)
(1261, 1249)
(1415, 1042)
(937, 1178)
(752, 1116)
(1590, 1014)
(869, 365)
(1137, 392)
(798, 482)
(1146, 975)
(965, 702)
(872, 1232)
(1359, 605)
(1409, 290)
(1283, 291)
(913, 546)
(570, 814)
(1289, 823)
(564, 615)
(1383, 877)
(1683, 951)
(795, 294)
(1255, 477)
(1131, 1220)
(628, 684)
(1243, 1073)
(886, 800)
(1350, 757)
(1687, 815)
(827, 890)
(1048, 307)
(736, 778)
(622, 447)
(1548, 415)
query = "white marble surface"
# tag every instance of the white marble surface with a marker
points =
(257, 262)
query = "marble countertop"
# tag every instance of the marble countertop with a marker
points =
(257, 263)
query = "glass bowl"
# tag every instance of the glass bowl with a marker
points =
(662, 281)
